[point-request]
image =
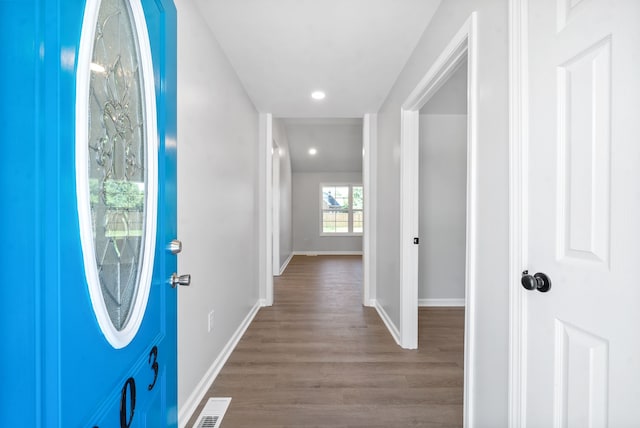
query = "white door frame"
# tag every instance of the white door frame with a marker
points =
(275, 198)
(369, 132)
(265, 208)
(462, 45)
(518, 173)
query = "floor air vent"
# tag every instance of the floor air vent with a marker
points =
(209, 422)
(213, 412)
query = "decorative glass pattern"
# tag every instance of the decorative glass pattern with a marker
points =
(116, 157)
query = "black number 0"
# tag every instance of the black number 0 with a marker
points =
(154, 366)
(130, 386)
(128, 395)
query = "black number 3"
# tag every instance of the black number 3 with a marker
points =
(153, 355)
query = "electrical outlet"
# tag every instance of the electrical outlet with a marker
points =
(210, 323)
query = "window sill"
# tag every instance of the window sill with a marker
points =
(340, 234)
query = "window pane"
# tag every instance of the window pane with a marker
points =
(335, 197)
(342, 227)
(328, 221)
(358, 198)
(118, 161)
(358, 221)
(342, 222)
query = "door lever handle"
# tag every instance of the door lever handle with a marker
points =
(180, 280)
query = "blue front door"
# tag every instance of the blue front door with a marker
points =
(88, 182)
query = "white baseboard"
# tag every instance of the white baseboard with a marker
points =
(187, 409)
(441, 302)
(285, 264)
(327, 253)
(395, 333)
(370, 303)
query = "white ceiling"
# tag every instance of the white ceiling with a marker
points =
(282, 50)
(338, 142)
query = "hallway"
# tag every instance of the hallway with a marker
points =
(319, 358)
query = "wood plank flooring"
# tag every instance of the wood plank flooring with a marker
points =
(318, 358)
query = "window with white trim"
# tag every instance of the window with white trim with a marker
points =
(341, 209)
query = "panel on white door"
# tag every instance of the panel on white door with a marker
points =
(566, 9)
(582, 378)
(584, 141)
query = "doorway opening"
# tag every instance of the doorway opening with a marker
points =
(460, 50)
(306, 162)
(442, 214)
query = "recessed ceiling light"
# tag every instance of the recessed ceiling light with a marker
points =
(318, 95)
(312, 151)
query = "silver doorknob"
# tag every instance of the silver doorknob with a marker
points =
(180, 280)
(174, 246)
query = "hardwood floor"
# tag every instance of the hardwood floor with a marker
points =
(318, 358)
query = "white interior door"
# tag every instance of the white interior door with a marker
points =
(583, 222)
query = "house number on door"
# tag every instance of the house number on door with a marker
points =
(154, 366)
(129, 385)
(128, 395)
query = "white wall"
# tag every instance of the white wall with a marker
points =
(286, 215)
(490, 383)
(306, 213)
(217, 199)
(443, 175)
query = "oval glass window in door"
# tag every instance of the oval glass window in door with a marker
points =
(116, 164)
